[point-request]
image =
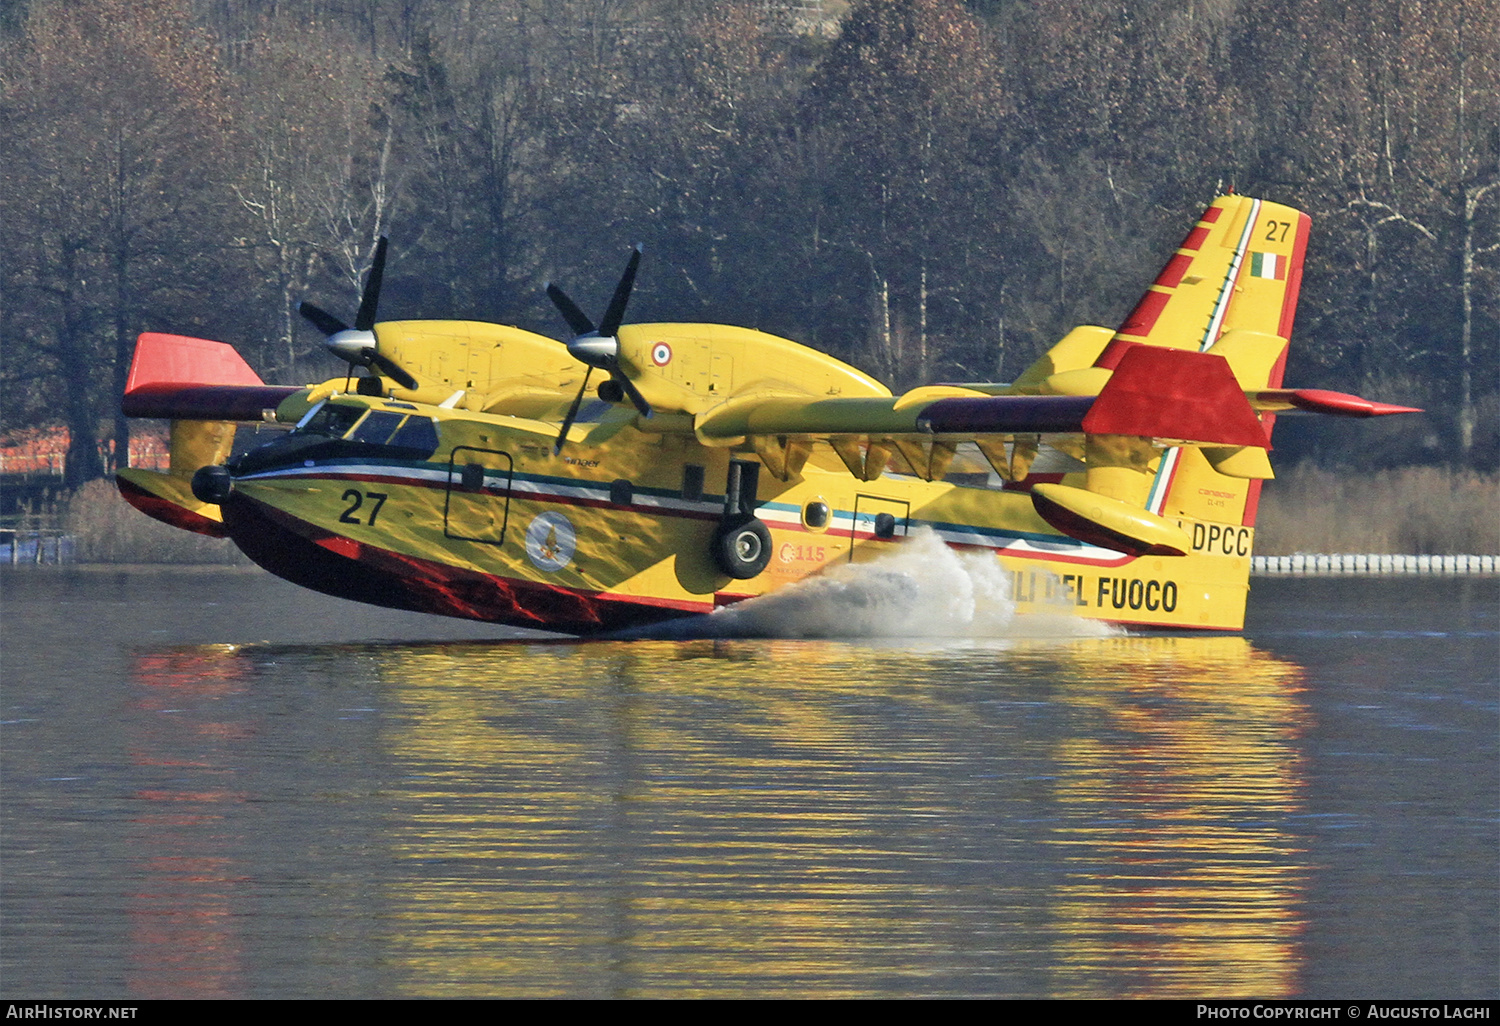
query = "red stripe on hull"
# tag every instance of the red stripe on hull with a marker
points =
(326, 562)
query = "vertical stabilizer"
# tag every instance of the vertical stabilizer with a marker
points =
(1231, 288)
(1239, 268)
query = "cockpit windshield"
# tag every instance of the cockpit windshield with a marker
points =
(378, 427)
(346, 431)
(330, 420)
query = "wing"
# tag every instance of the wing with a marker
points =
(203, 387)
(1172, 396)
(174, 377)
(1128, 440)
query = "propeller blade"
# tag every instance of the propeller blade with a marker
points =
(324, 321)
(391, 369)
(628, 386)
(616, 312)
(598, 347)
(370, 300)
(562, 435)
(576, 318)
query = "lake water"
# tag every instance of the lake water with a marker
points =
(216, 784)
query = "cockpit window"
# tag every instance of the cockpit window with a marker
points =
(418, 434)
(378, 427)
(331, 421)
(321, 435)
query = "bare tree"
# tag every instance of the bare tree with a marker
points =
(1398, 141)
(116, 124)
(909, 100)
(318, 180)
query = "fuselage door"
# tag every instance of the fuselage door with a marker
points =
(478, 500)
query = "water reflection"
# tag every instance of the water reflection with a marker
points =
(184, 938)
(1100, 817)
(1183, 874)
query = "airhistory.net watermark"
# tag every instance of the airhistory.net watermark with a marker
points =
(57, 1010)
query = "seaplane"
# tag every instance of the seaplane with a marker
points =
(469, 471)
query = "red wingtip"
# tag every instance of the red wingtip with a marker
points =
(180, 360)
(1341, 404)
(1385, 409)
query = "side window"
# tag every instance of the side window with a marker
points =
(418, 434)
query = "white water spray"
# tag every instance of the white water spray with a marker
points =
(922, 589)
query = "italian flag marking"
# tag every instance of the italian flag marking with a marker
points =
(1268, 265)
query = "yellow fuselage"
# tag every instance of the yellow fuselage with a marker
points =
(616, 530)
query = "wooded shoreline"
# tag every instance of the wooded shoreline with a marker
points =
(929, 189)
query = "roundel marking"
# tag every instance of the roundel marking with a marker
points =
(550, 541)
(661, 354)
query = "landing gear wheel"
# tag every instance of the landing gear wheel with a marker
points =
(742, 547)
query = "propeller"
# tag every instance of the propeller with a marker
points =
(598, 347)
(356, 345)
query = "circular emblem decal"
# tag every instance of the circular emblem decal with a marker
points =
(661, 354)
(550, 541)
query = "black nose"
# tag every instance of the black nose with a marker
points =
(212, 485)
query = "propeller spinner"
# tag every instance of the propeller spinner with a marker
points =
(599, 347)
(356, 345)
